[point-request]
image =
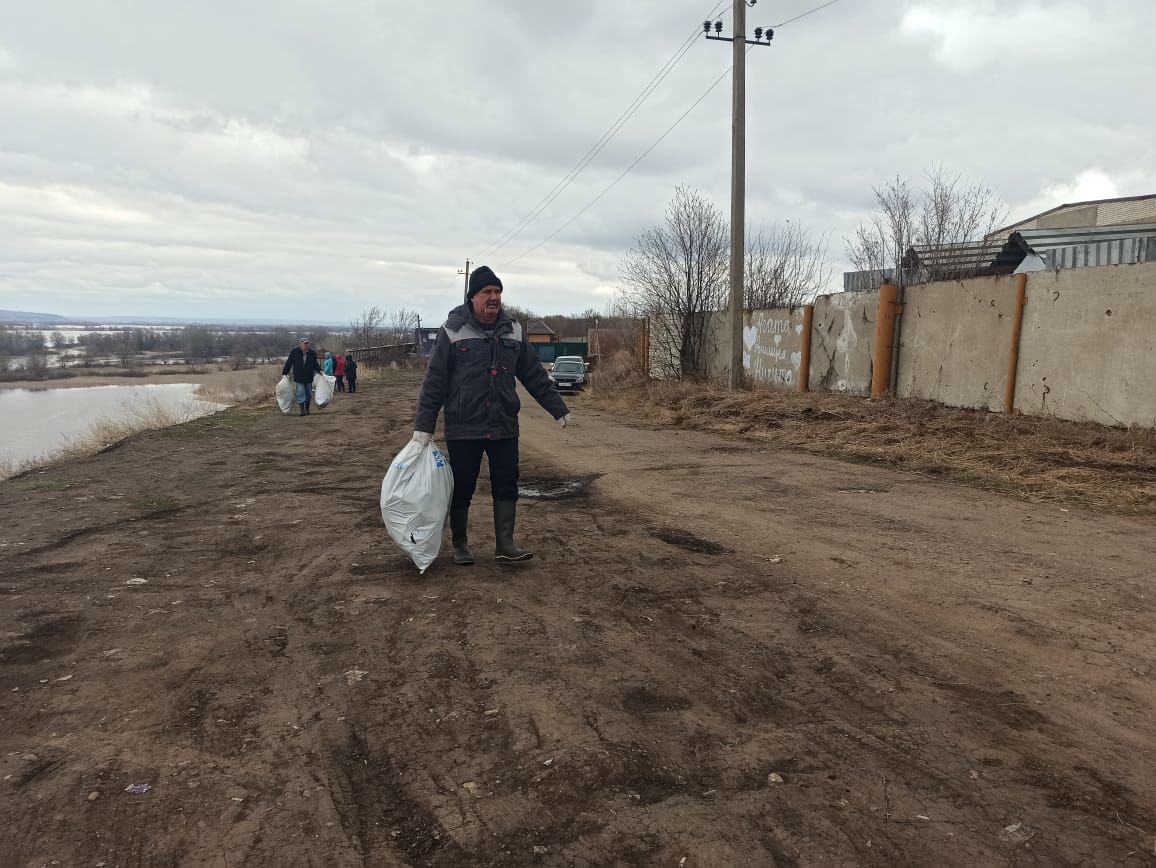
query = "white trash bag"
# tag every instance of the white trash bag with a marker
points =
(285, 393)
(323, 386)
(415, 497)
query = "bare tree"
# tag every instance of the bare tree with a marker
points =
(368, 329)
(952, 217)
(622, 317)
(519, 314)
(933, 233)
(402, 323)
(675, 276)
(881, 243)
(784, 267)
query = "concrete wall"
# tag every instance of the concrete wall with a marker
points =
(773, 346)
(1088, 346)
(716, 345)
(842, 341)
(664, 334)
(954, 341)
(1087, 350)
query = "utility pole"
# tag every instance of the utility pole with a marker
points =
(466, 293)
(738, 186)
(739, 41)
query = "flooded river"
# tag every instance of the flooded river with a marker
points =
(39, 422)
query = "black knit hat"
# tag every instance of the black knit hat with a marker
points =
(480, 278)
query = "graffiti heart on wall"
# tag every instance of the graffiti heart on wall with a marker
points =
(772, 348)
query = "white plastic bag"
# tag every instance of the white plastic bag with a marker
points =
(285, 394)
(323, 385)
(415, 497)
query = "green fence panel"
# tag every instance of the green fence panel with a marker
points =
(549, 352)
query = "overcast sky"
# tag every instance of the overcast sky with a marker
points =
(306, 159)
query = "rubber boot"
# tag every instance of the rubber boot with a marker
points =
(459, 535)
(301, 409)
(505, 516)
(306, 406)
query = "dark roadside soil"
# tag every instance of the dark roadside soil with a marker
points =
(1033, 457)
(722, 655)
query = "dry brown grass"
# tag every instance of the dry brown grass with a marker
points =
(258, 384)
(1108, 469)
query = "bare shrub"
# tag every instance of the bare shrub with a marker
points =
(941, 219)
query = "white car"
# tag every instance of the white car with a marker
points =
(569, 372)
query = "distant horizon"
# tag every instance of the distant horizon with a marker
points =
(45, 319)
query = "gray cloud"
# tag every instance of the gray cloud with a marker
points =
(274, 157)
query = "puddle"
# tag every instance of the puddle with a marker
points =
(688, 541)
(553, 488)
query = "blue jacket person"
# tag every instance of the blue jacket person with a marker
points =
(302, 362)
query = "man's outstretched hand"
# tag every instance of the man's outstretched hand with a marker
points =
(565, 420)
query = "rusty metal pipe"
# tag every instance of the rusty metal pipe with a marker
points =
(1009, 396)
(884, 337)
(805, 357)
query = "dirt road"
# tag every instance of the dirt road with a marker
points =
(721, 654)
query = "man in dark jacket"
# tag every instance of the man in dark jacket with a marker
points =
(479, 354)
(351, 372)
(302, 362)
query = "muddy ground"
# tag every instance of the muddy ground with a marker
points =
(723, 654)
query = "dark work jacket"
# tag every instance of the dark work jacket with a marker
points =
(303, 365)
(474, 378)
(350, 368)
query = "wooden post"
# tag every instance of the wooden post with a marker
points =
(884, 337)
(805, 361)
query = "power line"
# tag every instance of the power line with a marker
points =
(808, 12)
(643, 155)
(626, 172)
(594, 151)
(602, 142)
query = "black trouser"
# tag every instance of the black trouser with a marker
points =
(340, 382)
(352, 382)
(466, 462)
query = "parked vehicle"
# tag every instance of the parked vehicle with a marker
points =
(585, 364)
(568, 373)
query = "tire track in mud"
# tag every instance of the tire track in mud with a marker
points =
(111, 527)
(891, 752)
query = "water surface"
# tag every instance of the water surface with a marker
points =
(39, 422)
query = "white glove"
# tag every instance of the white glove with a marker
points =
(564, 421)
(421, 438)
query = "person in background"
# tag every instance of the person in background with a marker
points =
(351, 372)
(339, 371)
(302, 362)
(327, 367)
(480, 356)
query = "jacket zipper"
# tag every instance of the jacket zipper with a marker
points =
(495, 342)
